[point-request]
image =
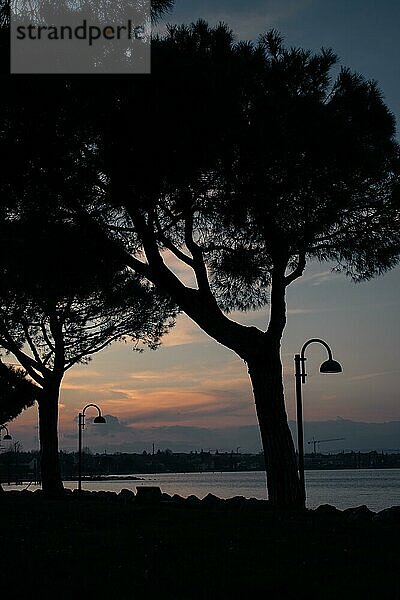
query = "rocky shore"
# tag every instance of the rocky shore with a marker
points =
(150, 544)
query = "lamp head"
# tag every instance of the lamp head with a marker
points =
(7, 437)
(330, 366)
(99, 419)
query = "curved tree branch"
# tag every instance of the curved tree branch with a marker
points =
(298, 271)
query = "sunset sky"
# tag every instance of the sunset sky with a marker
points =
(193, 392)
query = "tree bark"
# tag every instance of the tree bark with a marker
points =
(52, 484)
(265, 371)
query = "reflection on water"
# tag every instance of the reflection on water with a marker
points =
(376, 488)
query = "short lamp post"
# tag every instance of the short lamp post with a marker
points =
(81, 426)
(7, 435)
(328, 366)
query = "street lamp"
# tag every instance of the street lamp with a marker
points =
(7, 436)
(81, 425)
(328, 366)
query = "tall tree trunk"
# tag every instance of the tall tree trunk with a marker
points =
(52, 483)
(260, 350)
(265, 370)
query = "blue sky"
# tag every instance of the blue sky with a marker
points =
(192, 385)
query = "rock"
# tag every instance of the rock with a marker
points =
(388, 515)
(81, 493)
(235, 501)
(252, 503)
(166, 497)
(192, 501)
(211, 500)
(258, 503)
(327, 510)
(106, 495)
(126, 495)
(148, 494)
(177, 499)
(358, 513)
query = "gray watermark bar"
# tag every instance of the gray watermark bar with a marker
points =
(80, 36)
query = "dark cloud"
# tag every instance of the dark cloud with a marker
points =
(117, 436)
(203, 411)
(111, 428)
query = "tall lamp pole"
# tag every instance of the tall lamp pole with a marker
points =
(81, 425)
(328, 366)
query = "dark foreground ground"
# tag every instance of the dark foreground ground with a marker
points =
(104, 545)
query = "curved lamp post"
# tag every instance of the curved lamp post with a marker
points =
(7, 436)
(81, 426)
(328, 366)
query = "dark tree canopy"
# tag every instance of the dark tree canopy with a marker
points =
(263, 154)
(160, 8)
(303, 164)
(17, 392)
(62, 300)
(312, 173)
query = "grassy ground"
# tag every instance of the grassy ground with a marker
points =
(93, 547)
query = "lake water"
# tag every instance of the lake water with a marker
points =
(376, 488)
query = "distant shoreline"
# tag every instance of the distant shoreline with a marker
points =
(123, 477)
(107, 478)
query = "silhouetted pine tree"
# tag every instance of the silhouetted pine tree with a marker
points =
(246, 161)
(243, 160)
(61, 301)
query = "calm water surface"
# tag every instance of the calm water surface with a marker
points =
(376, 488)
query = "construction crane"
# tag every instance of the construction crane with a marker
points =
(314, 442)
